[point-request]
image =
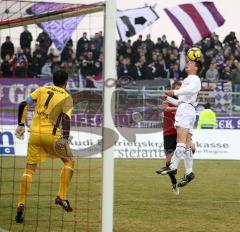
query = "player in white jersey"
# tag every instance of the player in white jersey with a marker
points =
(184, 121)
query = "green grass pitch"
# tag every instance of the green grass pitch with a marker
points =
(144, 201)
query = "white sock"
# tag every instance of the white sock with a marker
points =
(177, 155)
(188, 160)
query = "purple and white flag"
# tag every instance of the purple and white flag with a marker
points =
(195, 21)
(60, 31)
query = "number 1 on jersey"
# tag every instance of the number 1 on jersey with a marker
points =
(50, 95)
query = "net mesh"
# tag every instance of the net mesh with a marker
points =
(85, 189)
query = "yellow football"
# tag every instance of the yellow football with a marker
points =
(194, 54)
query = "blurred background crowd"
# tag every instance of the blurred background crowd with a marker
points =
(143, 59)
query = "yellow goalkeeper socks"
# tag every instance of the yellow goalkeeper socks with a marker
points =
(26, 181)
(65, 178)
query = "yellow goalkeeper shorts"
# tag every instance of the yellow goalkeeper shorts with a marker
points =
(40, 146)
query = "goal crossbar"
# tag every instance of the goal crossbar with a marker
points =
(12, 19)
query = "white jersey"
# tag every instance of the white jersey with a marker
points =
(189, 90)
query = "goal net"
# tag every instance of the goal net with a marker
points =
(73, 41)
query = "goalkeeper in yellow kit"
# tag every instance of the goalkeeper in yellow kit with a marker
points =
(49, 134)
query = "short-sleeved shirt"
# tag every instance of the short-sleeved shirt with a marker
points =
(51, 103)
(168, 121)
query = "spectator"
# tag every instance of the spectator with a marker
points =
(149, 44)
(137, 71)
(150, 71)
(39, 59)
(19, 64)
(83, 51)
(39, 56)
(101, 37)
(97, 69)
(237, 54)
(32, 72)
(124, 68)
(219, 60)
(56, 64)
(28, 55)
(21, 70)
(96, 74)
(138, 43)
(208, 59)
(154, 57)
(170, 59)
(26, 39)
(72, 70)
(6, 67)
(85, 71)
(173, 45)
(51, 54)
(237, 46)
(236, 84)
(67, 52)
(95, 52)
(212, 74)
(217, 43)
(44, 41)
(142, 59)
(97, 41)
(159, 44)
(90, 60)
(121, 48)
(230, 39)
(206, 45)
(226, 74)
(165, 43)
(19, 57)
(82, 44)
(47, 68)
(7, 48)
(142, 72)
(174, 72)
(161, 68)
(69, 43)
(212, 41)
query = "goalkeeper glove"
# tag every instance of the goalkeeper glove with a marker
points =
(19, 132)
(62, 148)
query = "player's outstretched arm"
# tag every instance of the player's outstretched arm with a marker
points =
(22, 112)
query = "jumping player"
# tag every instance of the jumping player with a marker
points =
(53, 108)
(184, 121)
(170, 136)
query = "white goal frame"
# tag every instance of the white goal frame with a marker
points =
(109, 73)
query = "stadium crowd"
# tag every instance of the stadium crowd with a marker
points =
(142, 59)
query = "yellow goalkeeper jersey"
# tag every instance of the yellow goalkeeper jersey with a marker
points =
(51, 103)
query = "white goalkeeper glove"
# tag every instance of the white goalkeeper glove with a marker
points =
(19, 132)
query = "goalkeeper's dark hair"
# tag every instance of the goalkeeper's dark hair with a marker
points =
(60, 77)
(199, 66)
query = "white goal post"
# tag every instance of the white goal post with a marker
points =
(108, 155)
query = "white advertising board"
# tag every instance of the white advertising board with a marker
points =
(210, 144)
